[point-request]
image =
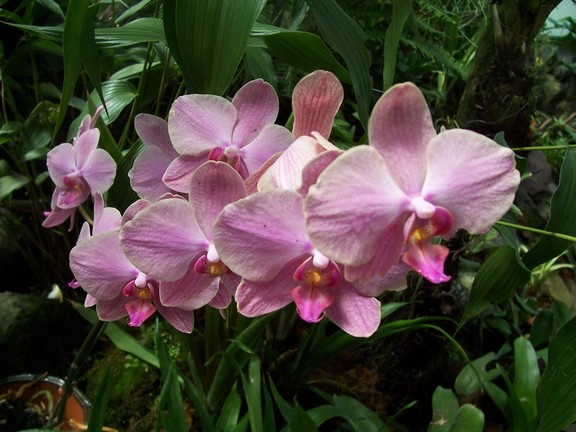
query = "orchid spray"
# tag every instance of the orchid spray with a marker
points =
(246, 218)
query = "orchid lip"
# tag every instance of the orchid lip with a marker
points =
(422, 208)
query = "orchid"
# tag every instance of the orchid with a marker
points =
(263, 238)
(390, 199)
(315, 101)
(182, 255)
(115, 286)
(240, 132)
(78, 170)
(151, 164)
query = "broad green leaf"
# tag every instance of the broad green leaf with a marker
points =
(347, 38)
(253, 394)
(53, 7)
(444, 410)
(89, 55)
(228, 418)
(234, 358)
(400, 11)
(198, 399)
(132, 10)
(100, 405)
(119, 337)
(36, 137)
(508, 233)
(469, 419)
(498, 277)
(10, 183)
(305, 51)
(556, 396)
(258, 64)
(72, 44)
(471, 377)
(208, 38)
(138, 31)
(286, 410)
(358, 416)
(118, 95)
(301, 421)
(526, 378)
(562, 216)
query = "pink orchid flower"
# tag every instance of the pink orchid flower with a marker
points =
(263, 238)
(182, 255)
(377, 203)
(151, 164)
(315, 101)
(115, 286)
(77, 170)
(209, 127)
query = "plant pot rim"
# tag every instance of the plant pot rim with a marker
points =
(55, 382)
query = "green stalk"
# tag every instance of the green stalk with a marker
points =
(538, 231)
(85, 349)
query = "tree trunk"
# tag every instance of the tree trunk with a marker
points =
(498, 95)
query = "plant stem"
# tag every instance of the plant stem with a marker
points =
(538, 231)
(85, 349)
(543, 148)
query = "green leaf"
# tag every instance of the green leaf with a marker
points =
(301, 421)
(208, 38)
(556, 396)
(89, 55)
(358, 416)
(118, 95)
(305, 51)
(526, 378)
(53, 7)
(347, 38)
(562, 216)
(253, 394)
(99, 408)
(234, 358)
(259, 64)
(498, 277)
(228, 418)
(471, 377)
(444, 408)
(72, 45)
(138, 31)
(400, 11)
(469, 419)
(10, 183)
(119, 337)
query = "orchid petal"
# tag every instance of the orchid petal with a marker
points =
(179, 172)
(84, 145)
(112, 310)
(259, 298)
(286, 172)
(389, 248)
(192, 291)
(271, 140)
(393, 280)
(61, 161)
(312, 301)
(198, 123)
(181, 319)
(471, 176)
(259, 234)
(213, 186)
(400, 129)
(133, 209)
(357, 315)
(75, 194)
(222, 298)
(105, 218)
(147, 172)
(99, 171)
(428, 260)
(257, 105)
(315, 101)
(353, 203)
(139, 311)
(315, 167)
(100, 267)
(158, 246)
(252, 181)
(153, 131)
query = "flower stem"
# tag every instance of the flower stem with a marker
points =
(85, 349)
(538, 231)
(543, 148)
